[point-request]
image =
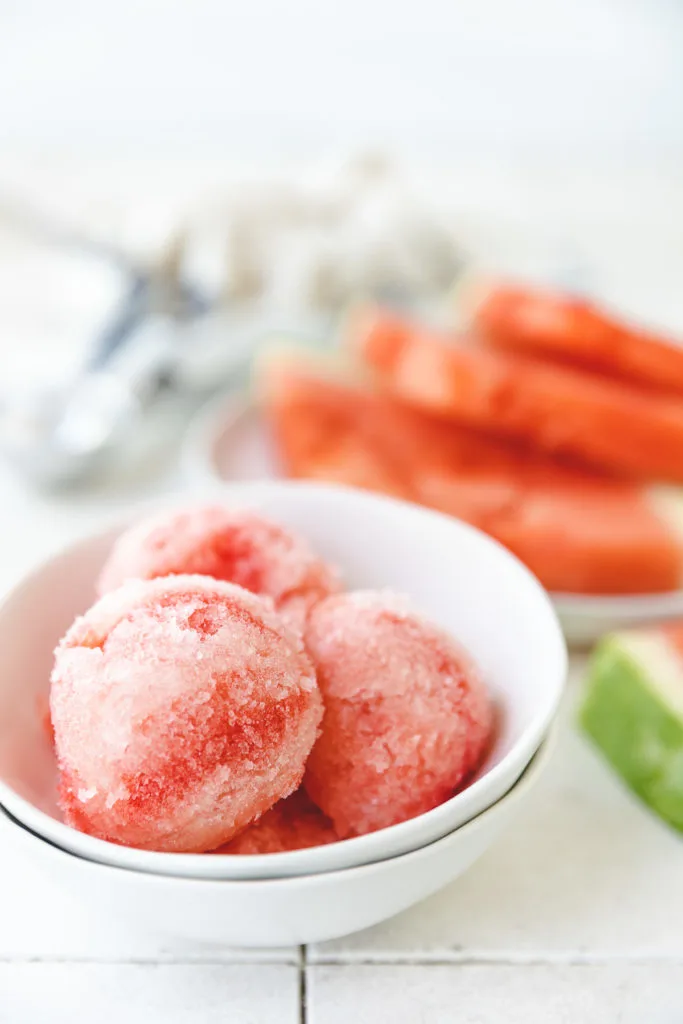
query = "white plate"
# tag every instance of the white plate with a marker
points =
(228, 441)
(585, 618)
(461, 579)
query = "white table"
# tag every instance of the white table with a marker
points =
(574, 916)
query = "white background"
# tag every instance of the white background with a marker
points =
(547, 80)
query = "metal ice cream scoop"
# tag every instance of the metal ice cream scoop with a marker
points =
(59, 434)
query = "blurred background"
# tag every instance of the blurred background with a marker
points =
(551, 82)
(196, 177)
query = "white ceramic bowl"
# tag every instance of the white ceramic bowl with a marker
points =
(456, 575)
(275, 912)
(228, 440)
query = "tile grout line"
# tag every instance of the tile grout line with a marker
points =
(150, 961)
(303, 985)
(539, 960)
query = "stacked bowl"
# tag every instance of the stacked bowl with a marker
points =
(459, 578)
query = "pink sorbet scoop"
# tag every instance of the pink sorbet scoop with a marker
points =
(231, 544)
(293, 824)
(183, 708)
(407, 716)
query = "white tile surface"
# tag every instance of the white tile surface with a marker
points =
(622, 994)
(584, 873)
(144, 994)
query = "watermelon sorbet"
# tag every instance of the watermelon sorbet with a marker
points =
(232, 544)
(293, 824)
(407, 717)
(183, 709)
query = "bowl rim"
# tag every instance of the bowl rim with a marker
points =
(223, 411)
(520, 788)
(273, 865)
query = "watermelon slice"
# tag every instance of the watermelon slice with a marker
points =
(633, 711)
(560, 410)
(579, 531)
(325, 425)
(559, 327)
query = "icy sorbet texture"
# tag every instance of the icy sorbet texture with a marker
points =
(293, 824)
(231, 544)
(407, 717)
(224, 695)
(183, 708)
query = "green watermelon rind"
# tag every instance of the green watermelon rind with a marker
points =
(631, 724)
